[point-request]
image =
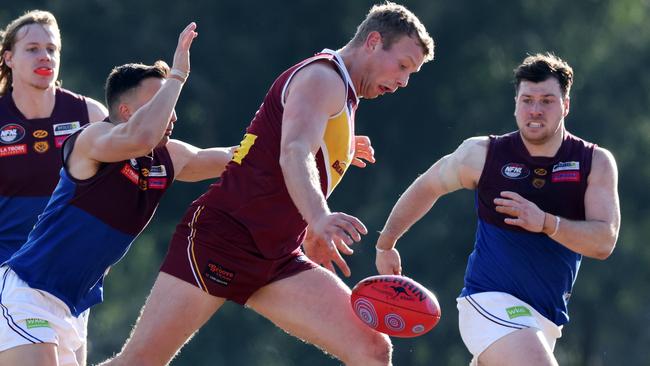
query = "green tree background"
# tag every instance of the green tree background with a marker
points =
(466, 91)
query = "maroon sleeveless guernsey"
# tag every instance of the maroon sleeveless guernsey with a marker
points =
(30, 160)
(555, 184)
(252, 190)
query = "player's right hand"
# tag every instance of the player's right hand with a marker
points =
(388, 262)
(182, 54)
(330, 236)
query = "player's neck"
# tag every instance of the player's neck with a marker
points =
(547, 148)
(348, 55)
(34, 103)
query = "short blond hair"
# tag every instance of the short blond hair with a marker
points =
(394, 21)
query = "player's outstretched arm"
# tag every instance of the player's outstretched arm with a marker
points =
(460, 169)
(193, 164)
(105, 142)
(315, 93)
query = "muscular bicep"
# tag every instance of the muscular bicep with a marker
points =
(460, 169)
(601, 196)
(107, 143)
(314, 95)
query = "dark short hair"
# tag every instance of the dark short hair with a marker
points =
(540, 67)
(125, 78)
(394, 21)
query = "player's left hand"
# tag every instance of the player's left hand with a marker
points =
(525, 213)
(322, 255)
(363, 150)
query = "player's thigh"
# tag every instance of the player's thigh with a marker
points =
(174, 311)
(314, 305)
(41, 354)
(522, 347)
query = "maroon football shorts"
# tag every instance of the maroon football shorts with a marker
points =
(218, 255)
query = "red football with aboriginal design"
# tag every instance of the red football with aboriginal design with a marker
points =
(395, 305)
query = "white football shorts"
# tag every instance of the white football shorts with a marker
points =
(31, 316)
(485, 317)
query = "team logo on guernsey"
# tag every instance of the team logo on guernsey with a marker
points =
(567, 165)
(67, 128)
(40, 134)
(158, 171)
(538, 182)
(541, 171)
(339, 166)
(134, 163)
(13, 150)
(41, 146)
(11, 133)
(568, 171)
(130, 174)
(515, 171)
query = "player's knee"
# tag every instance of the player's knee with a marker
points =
(378, 351)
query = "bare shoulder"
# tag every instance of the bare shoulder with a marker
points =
(318, 76)
(603, 165)
(473, 150)
(96, 110)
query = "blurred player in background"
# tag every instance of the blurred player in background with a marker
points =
(116, 172)
(36, 115)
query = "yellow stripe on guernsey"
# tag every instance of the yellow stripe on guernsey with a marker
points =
(337, 147)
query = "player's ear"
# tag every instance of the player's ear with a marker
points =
(373, 40)
(567, 105)
(124, 111)
(7, 58)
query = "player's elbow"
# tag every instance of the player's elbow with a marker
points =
(606, 249)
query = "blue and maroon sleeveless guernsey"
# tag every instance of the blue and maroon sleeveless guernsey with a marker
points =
(30, 160)
(88, 225)
(252, 190)
(507, 258)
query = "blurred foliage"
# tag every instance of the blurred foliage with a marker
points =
(465, 91)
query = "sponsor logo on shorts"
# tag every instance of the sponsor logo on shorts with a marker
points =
(67, 128)
(515, 171)
(11, 133)
(13, 150)
(37, 323)
(217, 273)
(517, 311)
(41, 146)
(40, 134)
